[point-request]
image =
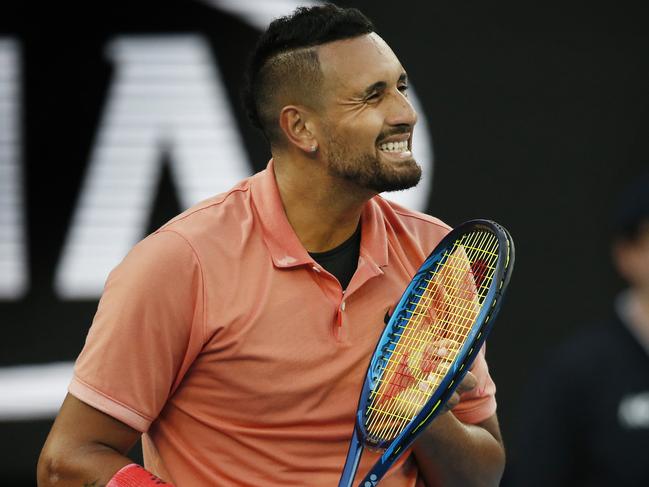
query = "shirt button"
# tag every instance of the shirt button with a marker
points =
(342, 306)
(315, 268)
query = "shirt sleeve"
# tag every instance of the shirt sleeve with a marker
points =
(480, 403)
(147, 331)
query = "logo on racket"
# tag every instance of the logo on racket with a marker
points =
(371, 482)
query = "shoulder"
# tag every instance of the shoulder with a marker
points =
(217, 210)
(161, 258)
(186, 238)
(213, 223)
(410, 217)
(407, 224)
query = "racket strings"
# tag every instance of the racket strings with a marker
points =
(440, 314)
(403, 377)
(400, 361)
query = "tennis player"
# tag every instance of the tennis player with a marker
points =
(234, 339)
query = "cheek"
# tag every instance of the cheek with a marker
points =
(362, 127)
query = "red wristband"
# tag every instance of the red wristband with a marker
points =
(134, 475)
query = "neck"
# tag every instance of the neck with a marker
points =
(323, 210)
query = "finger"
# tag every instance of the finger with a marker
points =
(453, 401)
(468, 383)
(441, 348)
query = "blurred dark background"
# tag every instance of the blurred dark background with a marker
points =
(538, 115)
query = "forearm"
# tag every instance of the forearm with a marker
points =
(451, 453)
(91, 466)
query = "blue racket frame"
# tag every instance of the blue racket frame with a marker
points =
(457, 370)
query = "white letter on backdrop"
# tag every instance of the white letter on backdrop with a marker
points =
(167, 97)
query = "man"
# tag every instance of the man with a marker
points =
(235, 338)
(586, 420)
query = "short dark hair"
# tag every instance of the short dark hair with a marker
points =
(632, 209)
(284, 61)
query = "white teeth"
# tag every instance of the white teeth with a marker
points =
(394, 146)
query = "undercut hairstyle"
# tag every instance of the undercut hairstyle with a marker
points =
(284, 68)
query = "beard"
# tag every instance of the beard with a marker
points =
(368, 171)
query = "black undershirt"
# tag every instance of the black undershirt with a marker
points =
(341, 261)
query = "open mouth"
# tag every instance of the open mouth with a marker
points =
(394, 146)
(397, 150)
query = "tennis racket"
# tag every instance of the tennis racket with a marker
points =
(430, 342)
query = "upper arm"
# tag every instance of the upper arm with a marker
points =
(146, 333)
(140, 344)
(80, 424)
(84, 443)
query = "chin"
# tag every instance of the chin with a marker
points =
(407, 175)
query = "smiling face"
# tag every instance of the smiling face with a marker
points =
(366, 123)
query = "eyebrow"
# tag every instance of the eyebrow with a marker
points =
(381, 85)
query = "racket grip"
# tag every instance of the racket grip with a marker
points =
(376, 473)
(351, 463)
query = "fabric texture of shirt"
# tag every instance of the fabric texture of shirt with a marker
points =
(238, 356)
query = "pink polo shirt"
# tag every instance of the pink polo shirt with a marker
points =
(238, 356)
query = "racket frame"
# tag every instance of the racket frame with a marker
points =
(434, 405)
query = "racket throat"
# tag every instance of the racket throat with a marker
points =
(351, 463)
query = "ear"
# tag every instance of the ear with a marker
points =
(297, 127)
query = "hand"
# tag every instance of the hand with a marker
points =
(468, 383)
(436, 360)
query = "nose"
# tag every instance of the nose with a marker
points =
(401, 111)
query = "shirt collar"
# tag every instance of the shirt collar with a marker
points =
(374, 239)
(286, 249)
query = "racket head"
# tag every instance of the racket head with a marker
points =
(451, 302)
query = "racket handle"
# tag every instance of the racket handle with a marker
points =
(351, 464)
(375, 474)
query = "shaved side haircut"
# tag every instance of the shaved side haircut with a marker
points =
(284, 67)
